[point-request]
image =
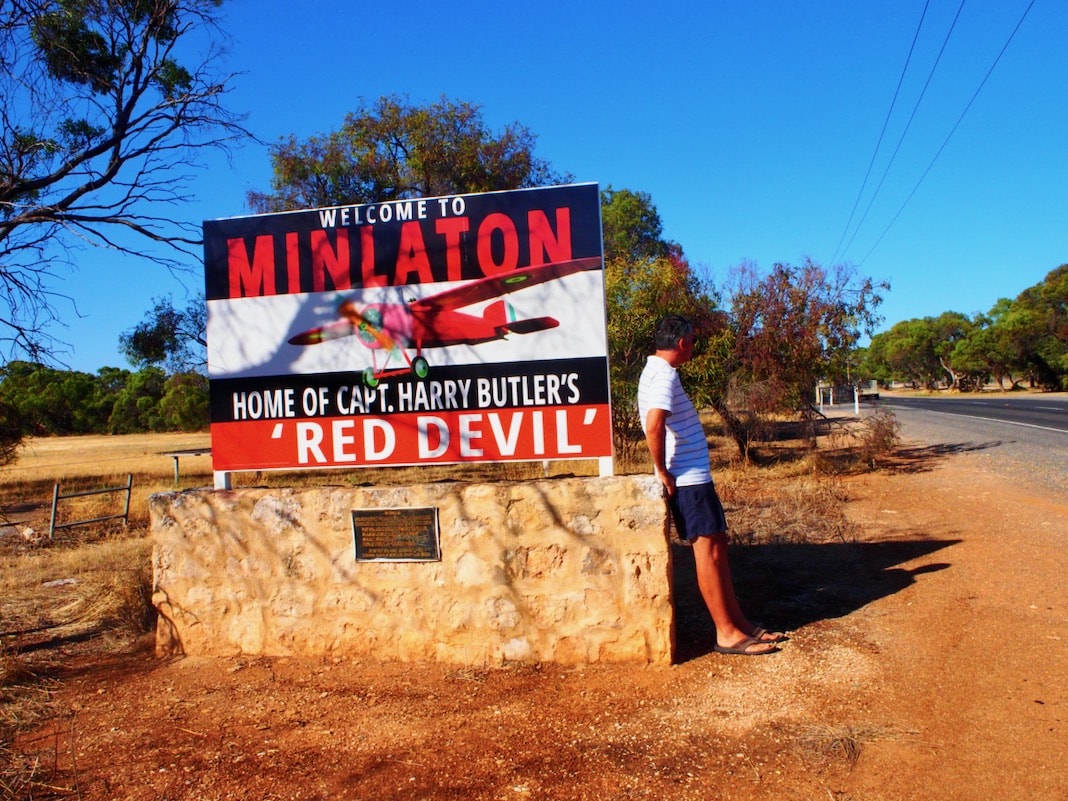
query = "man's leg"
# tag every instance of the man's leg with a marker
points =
(717, 589)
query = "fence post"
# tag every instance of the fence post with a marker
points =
(129, 491)
(55, 503)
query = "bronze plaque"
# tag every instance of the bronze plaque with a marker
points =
(404, 534)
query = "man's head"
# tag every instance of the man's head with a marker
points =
(670, 330)
(674, 333)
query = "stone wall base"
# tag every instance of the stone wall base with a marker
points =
(568, 570)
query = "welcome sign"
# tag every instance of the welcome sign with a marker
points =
(419, 331)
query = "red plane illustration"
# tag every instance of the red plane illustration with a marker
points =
(434, 322)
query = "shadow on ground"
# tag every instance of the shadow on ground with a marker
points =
(924, 458)
(787, 586)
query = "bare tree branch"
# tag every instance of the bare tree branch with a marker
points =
(102, 130)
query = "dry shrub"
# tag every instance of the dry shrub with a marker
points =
(879, 435)
(828, 743)
(859, 445)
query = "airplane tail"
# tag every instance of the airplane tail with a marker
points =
(530, 325)
(501, 315)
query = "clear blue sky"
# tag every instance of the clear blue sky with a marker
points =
(751, 124)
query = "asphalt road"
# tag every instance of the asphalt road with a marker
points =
(1023, 438)
(1049, 412)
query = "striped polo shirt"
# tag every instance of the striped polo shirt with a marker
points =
(686, 447)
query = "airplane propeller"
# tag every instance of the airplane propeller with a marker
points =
(367, 324)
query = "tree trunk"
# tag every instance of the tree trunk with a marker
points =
(736, 427)
(952, 375)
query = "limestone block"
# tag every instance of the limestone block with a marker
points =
(567, 570)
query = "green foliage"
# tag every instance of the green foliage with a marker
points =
(184, 405)
(1045, 331)
(392, 149)
(987, 349)
(633, 230)
(638, 294)
(50, 401)
(647, 277)
(72, 50)
(951, 329)
(907, 352)
(168, 336)
(136, 406)
(172, 80)
(37, 400)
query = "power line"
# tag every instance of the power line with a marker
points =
(953, 130)
(879, 142)
(908, 125)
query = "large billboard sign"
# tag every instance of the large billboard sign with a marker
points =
(420, 331)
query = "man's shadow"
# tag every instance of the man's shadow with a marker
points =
(787, 586)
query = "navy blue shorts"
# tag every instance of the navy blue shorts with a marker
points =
(697, 512)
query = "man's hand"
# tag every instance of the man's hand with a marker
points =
(668, 481)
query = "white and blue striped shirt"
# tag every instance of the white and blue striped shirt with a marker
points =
(685, 443)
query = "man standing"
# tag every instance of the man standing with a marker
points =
(677, 444)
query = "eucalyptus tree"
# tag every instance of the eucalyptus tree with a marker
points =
(392, 149)
(1040, 326)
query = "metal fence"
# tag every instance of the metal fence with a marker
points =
(56, 498)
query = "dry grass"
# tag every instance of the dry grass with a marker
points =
(793, 510)
(90, 587)
(101, 585)
(57, 458)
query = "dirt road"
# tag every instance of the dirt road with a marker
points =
(927, 661)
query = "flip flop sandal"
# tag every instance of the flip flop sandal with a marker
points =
(741, 649)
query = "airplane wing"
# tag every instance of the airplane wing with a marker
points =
(496, 285)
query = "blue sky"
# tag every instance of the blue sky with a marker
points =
(751, 125)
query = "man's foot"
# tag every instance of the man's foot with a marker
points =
(747, 647)
(763, 635)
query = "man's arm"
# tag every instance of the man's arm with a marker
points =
(656, 438)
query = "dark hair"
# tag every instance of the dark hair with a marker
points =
(670, 330)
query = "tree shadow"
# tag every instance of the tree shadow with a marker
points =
(790, 585)
(920, 459)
